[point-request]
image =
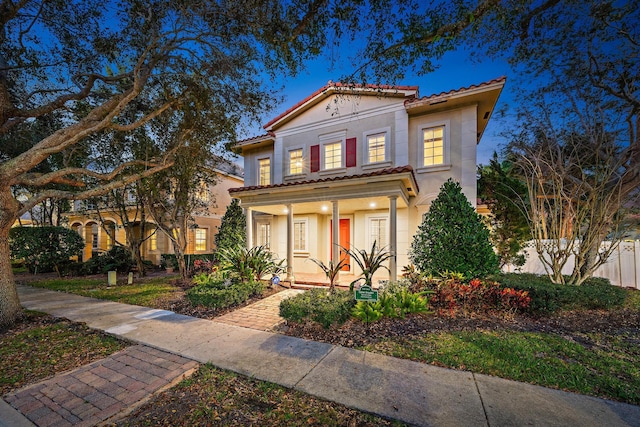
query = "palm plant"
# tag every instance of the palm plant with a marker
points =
(331, 270)
(251, 263)
(370, 262)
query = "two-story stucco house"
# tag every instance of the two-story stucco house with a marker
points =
(353, 165)
(93, 228)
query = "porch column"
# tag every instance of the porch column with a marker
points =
(393, 237)
(289, 277)
(249, 216)
(335, 234)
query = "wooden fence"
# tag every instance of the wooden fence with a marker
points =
(622, 268)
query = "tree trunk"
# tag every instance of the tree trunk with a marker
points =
(137, 256)
(10, 307)
(178, 250)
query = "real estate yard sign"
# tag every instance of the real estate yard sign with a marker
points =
(366, 293)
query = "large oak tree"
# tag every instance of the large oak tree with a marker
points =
(102, 70)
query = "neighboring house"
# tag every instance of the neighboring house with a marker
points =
(84, 219)
(354, 165)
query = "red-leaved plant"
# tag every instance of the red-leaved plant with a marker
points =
(476, 296)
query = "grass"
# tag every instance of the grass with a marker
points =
(632, 302)
(599, 365)
(68, 345)
(144, 292)
(216, 397)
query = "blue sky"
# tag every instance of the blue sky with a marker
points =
(456, 70)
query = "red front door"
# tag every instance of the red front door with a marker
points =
(345, 242)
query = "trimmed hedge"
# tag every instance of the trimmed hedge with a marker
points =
(319, 306)
(221, 293)
(594, 293)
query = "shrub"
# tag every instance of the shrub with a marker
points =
(44, 248)
(453, 237)
(215, 291)
(370, 262)
(394, 300)
(170, 260)
(476, 296)
(594, 293)
(368, 312)
(249, 263)
(318, 305)
(232, 231)
(117, 259)
(203, 266)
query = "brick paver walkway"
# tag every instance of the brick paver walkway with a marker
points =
(263, 315)
(96, 392)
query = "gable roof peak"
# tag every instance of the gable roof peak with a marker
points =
(332, 87)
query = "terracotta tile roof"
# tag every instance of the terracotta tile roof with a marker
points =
(256, 138)
(340, 85)
(388, 171)
(501, 79)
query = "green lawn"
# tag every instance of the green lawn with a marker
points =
(144, 292)
(597, 364)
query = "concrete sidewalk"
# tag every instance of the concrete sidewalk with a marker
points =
(412, 392)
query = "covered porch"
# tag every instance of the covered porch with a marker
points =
(300, 221)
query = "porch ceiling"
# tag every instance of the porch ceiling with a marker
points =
(347, 206)
(316, 197)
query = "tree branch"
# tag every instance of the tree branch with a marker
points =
(452, 29)
(93, 192)
(33, 179)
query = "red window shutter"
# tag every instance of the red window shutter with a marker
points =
(350, 159)
(315, 158)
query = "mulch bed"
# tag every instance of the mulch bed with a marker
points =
(354, 333)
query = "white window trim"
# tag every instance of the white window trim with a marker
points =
(387, 148)
(446, 164)
(259, 223)
(333, 138)
(304, 220)
(369, 237)
(270, 169)
(288, 173)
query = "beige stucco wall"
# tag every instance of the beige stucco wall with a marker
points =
(355, 119)
(210, 220)
(347, 119)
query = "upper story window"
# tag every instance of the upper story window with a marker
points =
(202, 192)
(333, 155)
(295, 161)
(376, 148)
(264, 171)
(433, 146)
